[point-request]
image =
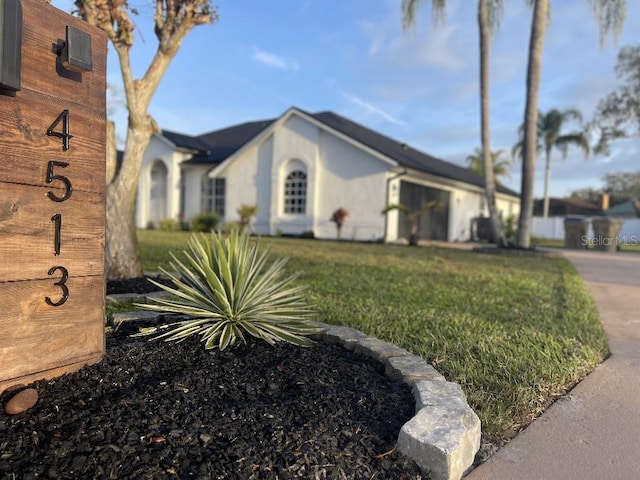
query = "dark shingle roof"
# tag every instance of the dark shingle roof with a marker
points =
(402, 153)
(561, 207)
(185, 141)
(215, 147)
(224, 143)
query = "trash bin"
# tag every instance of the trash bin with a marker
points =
(575, 232)
(606, 234)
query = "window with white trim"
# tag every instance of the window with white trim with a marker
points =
(213, 195)
(295, 193)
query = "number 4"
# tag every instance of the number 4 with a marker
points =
(65, 135)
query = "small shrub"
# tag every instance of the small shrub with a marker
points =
(205, 222)
(169, 225)
(150, 225)
(225, 285)
(246, 213)
(231, 227)
(338, 217)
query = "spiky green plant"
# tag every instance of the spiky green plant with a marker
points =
(227, 288)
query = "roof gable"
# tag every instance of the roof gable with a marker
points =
(217, 146)
(227, 141)
(402, 153)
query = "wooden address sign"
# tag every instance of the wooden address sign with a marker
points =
(52, 184)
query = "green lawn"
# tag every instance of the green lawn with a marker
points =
(515, 331)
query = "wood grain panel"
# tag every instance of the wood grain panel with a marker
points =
(27, 233)
(26, 147)
(39, 339)
(42, 32)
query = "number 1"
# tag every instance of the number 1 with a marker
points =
(57, 222)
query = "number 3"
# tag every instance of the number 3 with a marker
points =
(62, 284)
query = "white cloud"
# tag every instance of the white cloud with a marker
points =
(370, 108)
(273, 60)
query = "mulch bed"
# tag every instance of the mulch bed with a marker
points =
(164, 410)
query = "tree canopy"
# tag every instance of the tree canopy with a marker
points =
(172, 21)
(621, 186)
(618, 114)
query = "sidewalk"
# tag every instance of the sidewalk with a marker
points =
(594, 432)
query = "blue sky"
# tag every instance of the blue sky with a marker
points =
(419, 86)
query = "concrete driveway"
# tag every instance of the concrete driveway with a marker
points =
(594, 432)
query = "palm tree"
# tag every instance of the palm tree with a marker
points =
(610, 16)
(246, 214)
(549, 136)
(409, 8)
(413, 216)
(500, 167)
(489, 14)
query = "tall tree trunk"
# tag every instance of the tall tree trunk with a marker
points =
(123, 259)
(534, 69)
(497, 233)
(547, 181)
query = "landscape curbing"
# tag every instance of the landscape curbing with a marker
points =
(443, 437)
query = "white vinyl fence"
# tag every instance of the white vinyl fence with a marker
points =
(553, 228)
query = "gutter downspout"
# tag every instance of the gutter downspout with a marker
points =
(386, 217)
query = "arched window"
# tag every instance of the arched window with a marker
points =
(295, 192)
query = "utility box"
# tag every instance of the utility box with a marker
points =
(575, 232)
(52, 179)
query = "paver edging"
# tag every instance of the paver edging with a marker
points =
(444, 434)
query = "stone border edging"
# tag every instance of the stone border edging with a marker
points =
(444, 434)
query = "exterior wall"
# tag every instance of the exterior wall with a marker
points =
(508, 207)
(338, 175)
(248, 181)
(295, 144)
(159, 150)
(192, 177)
(351, 179)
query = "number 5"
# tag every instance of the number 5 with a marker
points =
(51, 177)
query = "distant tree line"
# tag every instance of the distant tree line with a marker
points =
(620, 187)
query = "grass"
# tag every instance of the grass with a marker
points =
(515, 331)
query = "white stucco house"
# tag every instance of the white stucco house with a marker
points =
(298, 169)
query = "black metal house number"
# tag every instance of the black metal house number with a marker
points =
(56, 219)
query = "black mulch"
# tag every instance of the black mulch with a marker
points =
(160, 410)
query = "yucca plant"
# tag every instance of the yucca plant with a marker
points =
(227, 288)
